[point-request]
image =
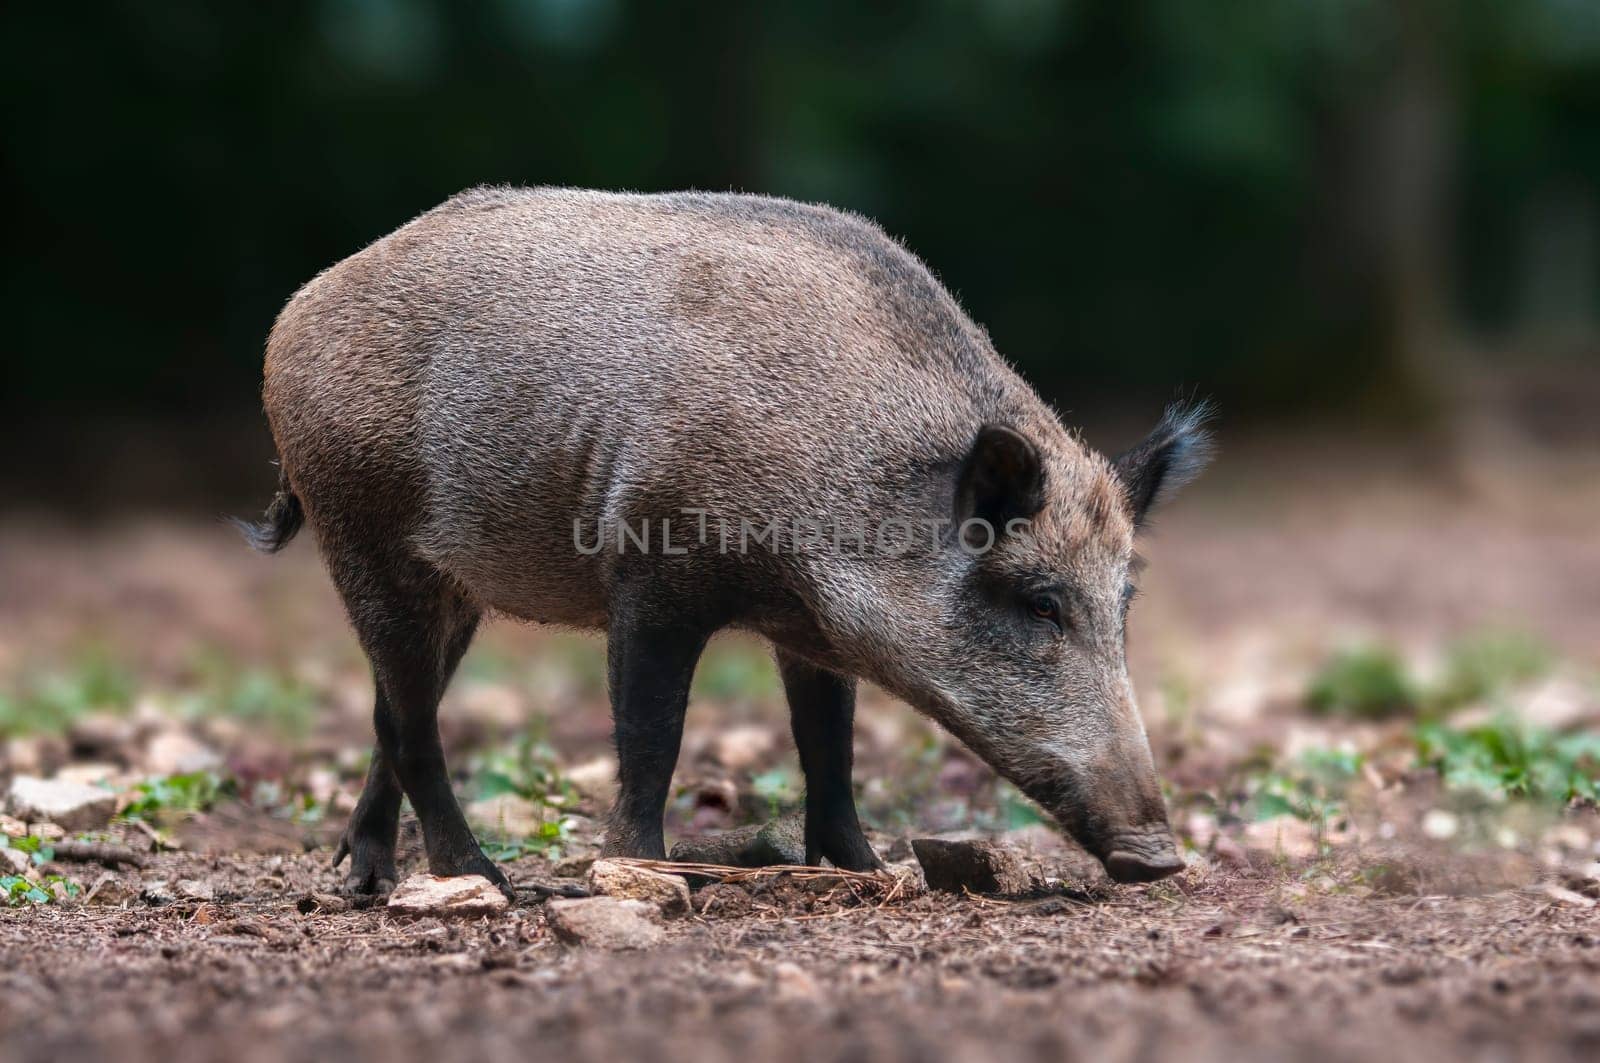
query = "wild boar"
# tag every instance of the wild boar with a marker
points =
(659, 416)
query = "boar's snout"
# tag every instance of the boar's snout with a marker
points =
(1143, 856)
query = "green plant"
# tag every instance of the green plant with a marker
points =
(735, 670)
(528, 769)
(273, 699)
(38, 852)
(17, 891)
(1486, 664)
(1311, 788)
(1507, 758)
(777, 788)
(49, 702)
(551, 837)
(1367, 682)
(1015, 810)
(193, 792)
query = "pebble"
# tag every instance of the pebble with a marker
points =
(668, 893)
(604, 922)
(975, 865)
(174, 752)
(460, 896)
(782, 841)
(73, 806)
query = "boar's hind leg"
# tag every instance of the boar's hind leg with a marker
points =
(415, 629)
(822, 708)
(650, 666)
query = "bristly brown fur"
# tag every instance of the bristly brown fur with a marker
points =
(455, 402)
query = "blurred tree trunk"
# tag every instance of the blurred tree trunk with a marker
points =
(1414, 125)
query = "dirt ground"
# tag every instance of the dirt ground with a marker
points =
(1380, 940)
(1215, 969)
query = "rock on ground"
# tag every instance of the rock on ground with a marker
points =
(783, 841)
(595, 780)
(176, 752)
(669, 893)
(463, 895)
(976, 866)
(604, 922)
(70, 805)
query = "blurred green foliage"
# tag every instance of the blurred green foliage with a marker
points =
(269, 698)
(1374, 682)
(49, 701)
(177, 795)
(1507, 758)
(1484, 665)
(1130, 194)
(737, 670)
(1369, 682)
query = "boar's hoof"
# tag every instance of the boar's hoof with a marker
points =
(474, 864)
(372, 872)
(1127, 867)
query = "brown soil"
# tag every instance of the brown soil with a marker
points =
(1221, 967)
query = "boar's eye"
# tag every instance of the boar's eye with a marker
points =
(1046, 607)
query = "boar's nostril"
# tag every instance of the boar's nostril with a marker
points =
(1125, 866)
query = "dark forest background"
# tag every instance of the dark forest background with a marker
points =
(1297, 206)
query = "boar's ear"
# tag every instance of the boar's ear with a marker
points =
(1001, 479)
(1169, 457)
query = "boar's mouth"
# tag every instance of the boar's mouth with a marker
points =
(1141, 853)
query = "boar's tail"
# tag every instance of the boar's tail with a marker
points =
(278, 524)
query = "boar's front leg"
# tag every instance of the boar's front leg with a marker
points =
(369, 839)
(822, 707)
(651, 656)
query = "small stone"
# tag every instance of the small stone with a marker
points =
(975, 866)
(496, 706)
(70, 805)
(112, 890)
(1286, 836)
(312, 903)
(34, 754)
(89, 774)
(178, 753)
(1439, 824)
(16, 860)
(604, 922)
(1562, 895)
(574, 865)
(1584, 879)
(193, 889)
(669, 893)
(743, 747)
(1561, 703)
(157, 893)
(1230, 852)
(782, 841)
(725, 848)
(595, 780)
(102, 735)
(12, 827)
(463, 895)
